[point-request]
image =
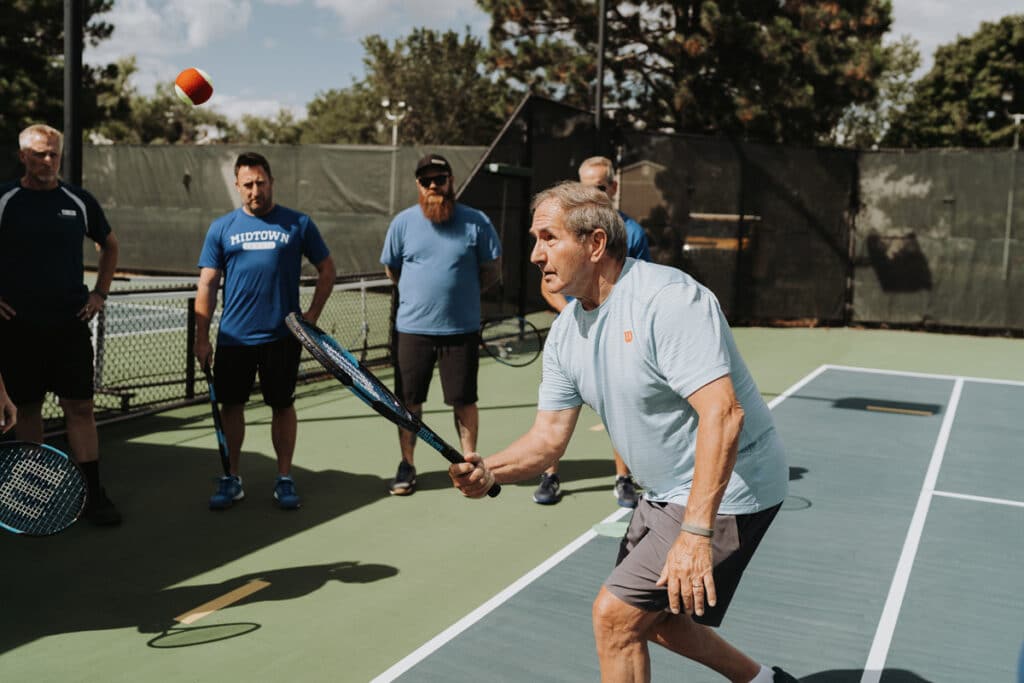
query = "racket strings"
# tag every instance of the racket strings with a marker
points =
(39, 492)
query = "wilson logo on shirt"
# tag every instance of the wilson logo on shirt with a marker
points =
(628, 336)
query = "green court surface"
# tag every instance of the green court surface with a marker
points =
(897, 556)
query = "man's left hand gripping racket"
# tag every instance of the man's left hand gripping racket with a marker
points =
(364, 384)
(42, 490)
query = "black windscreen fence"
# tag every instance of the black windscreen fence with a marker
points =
(767, 228)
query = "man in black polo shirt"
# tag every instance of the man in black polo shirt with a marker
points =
(45, 309)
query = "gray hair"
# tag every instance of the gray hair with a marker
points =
(41, 129)
(584, 209)
(601, 162)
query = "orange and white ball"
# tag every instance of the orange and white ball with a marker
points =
(193, 86)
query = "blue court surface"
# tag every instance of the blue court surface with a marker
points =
(898, 555)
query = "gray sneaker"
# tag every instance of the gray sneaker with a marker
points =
(625, 492)
(550, 490)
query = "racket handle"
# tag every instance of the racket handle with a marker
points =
(495, 490)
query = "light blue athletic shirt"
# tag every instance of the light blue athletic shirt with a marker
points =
(439, 287)
(261, 258)
(658, 338)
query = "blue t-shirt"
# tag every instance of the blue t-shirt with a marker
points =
(41, 233)
(656, 339)
(439, 286)
(261, 258)
(636, 239)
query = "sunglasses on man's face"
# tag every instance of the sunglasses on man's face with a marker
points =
(427, 181)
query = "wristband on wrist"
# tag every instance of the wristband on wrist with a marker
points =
(696, 530)
(102, 295)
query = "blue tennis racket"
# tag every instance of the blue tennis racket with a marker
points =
(222, 442)
(42, 490)
(349, 371)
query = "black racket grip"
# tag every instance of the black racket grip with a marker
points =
(453, 455)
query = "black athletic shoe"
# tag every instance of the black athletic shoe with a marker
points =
(781, 676)
(625, 492)
(100, 510)
(405, 480)
(549, 492)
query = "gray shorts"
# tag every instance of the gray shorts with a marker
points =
(653, 530)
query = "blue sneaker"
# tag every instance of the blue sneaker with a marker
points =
(284, 494)
(229, 489)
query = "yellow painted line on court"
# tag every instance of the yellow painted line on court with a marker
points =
(901, 411)
(194, 615)
(597, 428)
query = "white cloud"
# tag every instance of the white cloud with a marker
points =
(151, 28)
(938, 22)
(234, 107)
(395, 17)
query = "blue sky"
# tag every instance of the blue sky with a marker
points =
(263, 55)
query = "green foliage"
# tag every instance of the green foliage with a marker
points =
(768, 70)
(960, 102)
(282, 129)
(32, 77)
(438, 75)
(865, 125)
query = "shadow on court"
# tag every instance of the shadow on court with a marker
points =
(854, 676)
(285, 584)
(91, 578)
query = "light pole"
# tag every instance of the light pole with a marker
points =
(394, 115)
(1017, 118)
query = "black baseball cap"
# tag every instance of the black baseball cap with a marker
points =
(434, 162)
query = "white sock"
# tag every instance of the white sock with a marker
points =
(765, 675)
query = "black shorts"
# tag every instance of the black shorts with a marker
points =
(457, 356)
(36, 358)
(650, 535)
(277, 362)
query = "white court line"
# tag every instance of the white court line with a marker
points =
(483, 610)
(980, 499)
(924, 375)
(890, 613)
(438, 641)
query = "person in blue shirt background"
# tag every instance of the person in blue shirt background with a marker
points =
(441, 255)
(259, 249)
(598, 172)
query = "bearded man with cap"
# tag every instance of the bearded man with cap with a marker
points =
(441, 255)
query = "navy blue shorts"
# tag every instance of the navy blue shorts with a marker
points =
(276, 362)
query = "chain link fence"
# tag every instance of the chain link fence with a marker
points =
(143, 342)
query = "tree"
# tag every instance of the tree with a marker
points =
(437, 74)
(282, 129)
(866, 125)
(768, 70)
(967, 97)
(32, 54)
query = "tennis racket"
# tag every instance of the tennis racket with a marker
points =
(513, 341)
(364, 384)
(42, 490)
(222, 442)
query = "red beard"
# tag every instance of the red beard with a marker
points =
(438, 208)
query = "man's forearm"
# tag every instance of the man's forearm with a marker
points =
(106, 265)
